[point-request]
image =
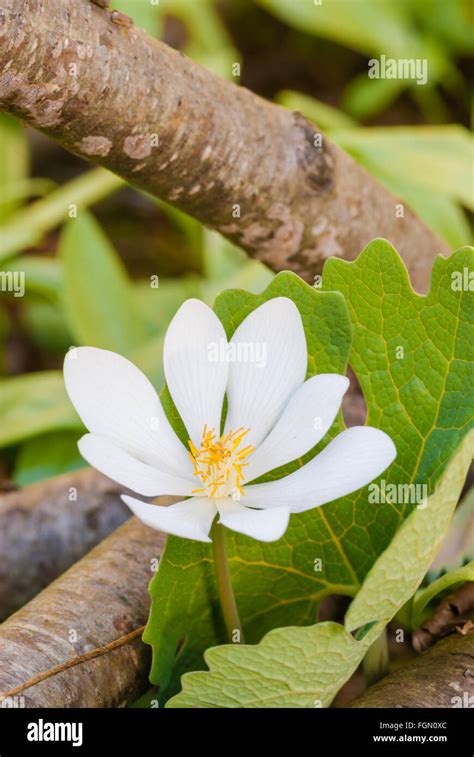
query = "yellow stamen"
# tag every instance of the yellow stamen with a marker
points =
(218, 462)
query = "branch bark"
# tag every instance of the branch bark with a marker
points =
(113, 95)
(85, 609)
(441, 677)
(453, 612)
(46, 527)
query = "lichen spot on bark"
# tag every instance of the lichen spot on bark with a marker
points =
(99, 146)
(137, 147)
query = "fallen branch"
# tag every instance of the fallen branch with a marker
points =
(251, 169)
(74, 662)
(451, 613)
(46, 527)
(94, 612)
(441, 677)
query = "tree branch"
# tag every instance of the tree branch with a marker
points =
(249, 168)
(441, 677)
(454, 611)
(72, 663)
(46, 527)
(97, 603)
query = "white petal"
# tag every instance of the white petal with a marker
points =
(264, 525)
(307, 417)
(271, 361)
(195, 378)
(115, 400)
(191, 519)
(353, 459)
(120, 466)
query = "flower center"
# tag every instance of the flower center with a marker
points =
(218, 463)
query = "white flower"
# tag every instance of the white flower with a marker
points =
(274, 417)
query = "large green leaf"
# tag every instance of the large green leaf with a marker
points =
(97, 296)
(412, 354)
(290, 667)
(305, 667)
(423, 401)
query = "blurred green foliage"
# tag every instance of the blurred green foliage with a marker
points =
(434, 30)
(426, 166)
(79, 289)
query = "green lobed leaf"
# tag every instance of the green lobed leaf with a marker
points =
(290, 667)
(306, 667)
(424, 402)
(413, 354)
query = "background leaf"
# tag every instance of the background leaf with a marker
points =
(458, 546)
(32, 404)
(145, 14)
(449, 581)
(46, 456)
(387, 27)
(14, 160)
(97, 296)
(424, 166)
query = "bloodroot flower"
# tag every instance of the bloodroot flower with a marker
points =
(273, 417)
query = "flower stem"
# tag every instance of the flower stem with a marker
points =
(376, 660)
(224, 584)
